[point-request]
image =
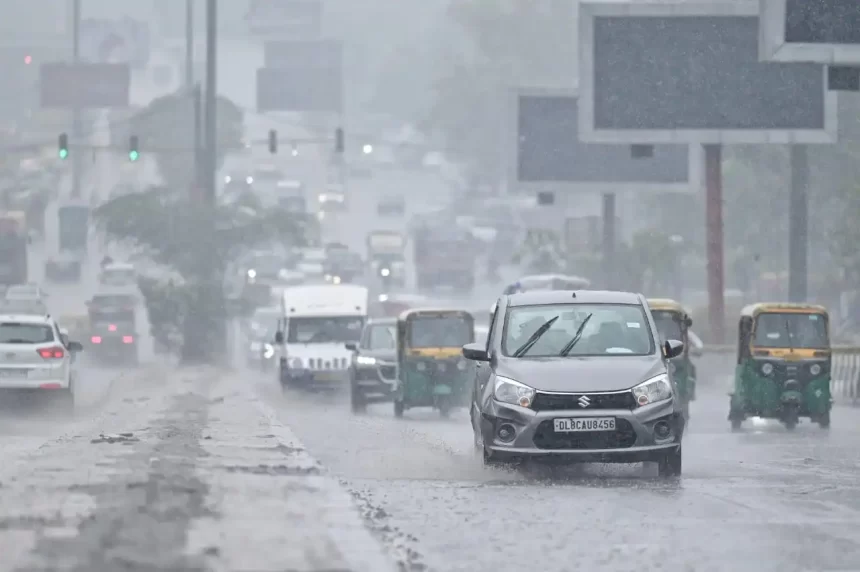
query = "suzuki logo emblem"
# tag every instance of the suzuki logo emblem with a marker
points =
(584, 401)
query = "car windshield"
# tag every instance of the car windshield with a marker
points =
(331, 330)
(381, 337)
(668, 325)
(439, 331)
(17, 333)
(112, 301)
(612, 329)
(23, 307)
(119, 276)
(791, 330)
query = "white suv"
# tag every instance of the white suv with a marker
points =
(35, 356)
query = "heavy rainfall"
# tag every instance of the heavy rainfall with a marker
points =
(430, 285)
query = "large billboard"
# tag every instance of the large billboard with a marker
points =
(299, 89)
(822, 31)
(546, 154)
(299, 53)
(672, 71)
(84, 85)
(292, 19)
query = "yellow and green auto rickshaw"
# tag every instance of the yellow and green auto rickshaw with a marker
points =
(673, 323)
(783, 368)
(431, 369)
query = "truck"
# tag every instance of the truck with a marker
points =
(13, 248)
(387, 257)
(74, 221)
(444, 257)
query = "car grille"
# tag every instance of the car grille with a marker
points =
(623, 437)
(333, 363)
(564, 401)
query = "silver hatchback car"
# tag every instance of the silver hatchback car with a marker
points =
(576, 377)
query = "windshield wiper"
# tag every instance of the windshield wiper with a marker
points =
(788, 336)
(534, 337)
(576, 337)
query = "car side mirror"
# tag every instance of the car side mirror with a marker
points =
(475, 352)
(75, 346)
(279, 337)
(673, 348)
(351, 346)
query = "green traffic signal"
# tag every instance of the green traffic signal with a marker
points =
(133, 155)
(63, 145)
(64, 153)
(133, 143)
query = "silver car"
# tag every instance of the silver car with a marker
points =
(576, 377)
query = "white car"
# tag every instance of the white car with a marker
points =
(35, 357)
(25, 292)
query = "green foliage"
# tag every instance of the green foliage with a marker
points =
(197, 242)
(509, 44)
(166, 130)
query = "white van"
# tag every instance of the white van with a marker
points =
(317, 321)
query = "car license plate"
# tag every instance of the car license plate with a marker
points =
(327, 376)
(13, 373)
(584, 424)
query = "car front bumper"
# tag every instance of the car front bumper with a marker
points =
(334, 378)
(633, 441)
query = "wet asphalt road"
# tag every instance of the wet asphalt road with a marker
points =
(764, 499)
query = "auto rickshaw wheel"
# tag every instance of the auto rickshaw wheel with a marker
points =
(670, 465)
(790, 417)
(736, 424)
(398, 408)
(824, 421)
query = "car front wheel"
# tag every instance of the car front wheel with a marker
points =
(670, 465)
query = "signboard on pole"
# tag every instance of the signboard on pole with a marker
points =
(294, 19)
(822, 31)
(301, 76)
(678, 72)
(546, 153)
(84, 85)
(124, 41)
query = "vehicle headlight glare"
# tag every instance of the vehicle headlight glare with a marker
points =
(654, 390)
(268, 351)
(815, 369)
(767, 369)
(385, 272)
(336, 279)
(252, 273)
(364, 360)
(511, 391)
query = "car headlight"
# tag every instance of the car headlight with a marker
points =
(252, 273)
(268, 351)
(385, 271)
(767, 369)
(815, 369)
(283, 273)
(461, 365)
(364, 360)
(508, 390)
(336, 279)
(296, 363)
(654, 390)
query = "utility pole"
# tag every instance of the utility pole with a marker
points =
(77, 131)
(189, 43)
(211, 127)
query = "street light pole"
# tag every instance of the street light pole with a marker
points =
(189, 43)
(211, 127)
(77, 131)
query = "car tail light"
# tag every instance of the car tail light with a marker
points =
(112, 328)
(128, 339)
(96, 339)
(52, 353)
(50, 386)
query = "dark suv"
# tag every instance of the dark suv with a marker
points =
(373, 370)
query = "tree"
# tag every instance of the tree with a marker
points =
(197, 242)
(165, 129)
(501, 45)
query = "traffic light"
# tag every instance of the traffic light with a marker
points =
(63, 145)
(28, 59)
(338, 140)
(273, 141)
(133, 152)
